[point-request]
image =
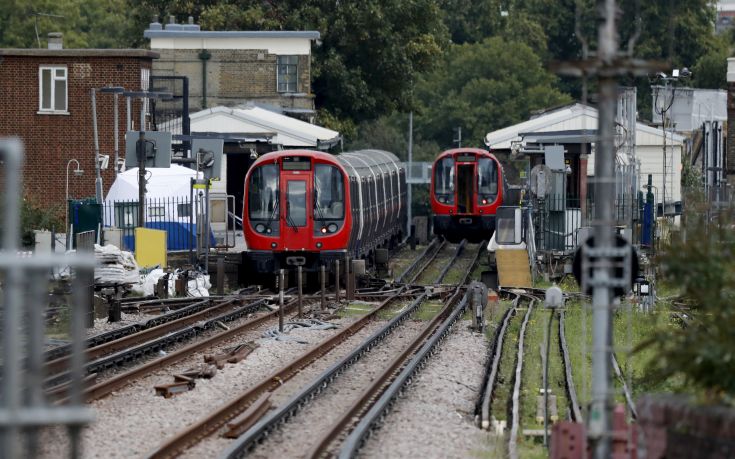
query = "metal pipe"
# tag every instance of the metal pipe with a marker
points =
(98, 176)
(323, 275)
(336, 279)
(299, 279)
(128, 114)
(12, 381)
(204, 55)
(117, 135)
(280, 300)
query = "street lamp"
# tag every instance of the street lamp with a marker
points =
(553, 300)
(676, 75)
(77, 172)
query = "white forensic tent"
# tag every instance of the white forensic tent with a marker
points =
(167, 204)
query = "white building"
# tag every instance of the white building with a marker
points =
(649, 146)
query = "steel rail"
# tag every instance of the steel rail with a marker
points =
(518, 380)
(386, 388)
(626, 390)
(280, 416)
(117, 382)
(429, 259)
(146, 334)
(380, 383)
(482, 410)
(218, 418)
(388, 396)
(139, 351)
(451, 262)
(568, 377)
(416, 262)
(112, 335)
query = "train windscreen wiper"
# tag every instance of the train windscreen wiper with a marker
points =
(273, 213)
(320, 213)
(289, 219)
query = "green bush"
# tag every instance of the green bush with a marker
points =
(701, 261)
(34, 217)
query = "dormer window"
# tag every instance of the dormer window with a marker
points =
(52, 89)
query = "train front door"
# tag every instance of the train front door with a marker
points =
(296, 226)
(465, 188)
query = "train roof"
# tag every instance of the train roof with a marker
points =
(455, 151)
(358, 163)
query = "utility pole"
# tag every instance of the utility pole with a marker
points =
(98, 175)
(600, 417)
(409, 186)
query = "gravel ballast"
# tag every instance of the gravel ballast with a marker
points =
(434, 418)
(133, 421)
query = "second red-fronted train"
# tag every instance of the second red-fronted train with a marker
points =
(467, 187)
(309, 208)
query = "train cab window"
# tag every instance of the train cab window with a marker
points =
(487, 181)
(263, 193)
(329, 195)
(296, 203)
(444, 180)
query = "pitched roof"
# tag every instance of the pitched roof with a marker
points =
(570, 117)
(249, 118)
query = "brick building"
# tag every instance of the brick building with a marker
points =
(235, 67)
(45, 99)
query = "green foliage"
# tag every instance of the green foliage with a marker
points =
(370, 50)
(482, 87)
(34, 217)
(702, 264)
(710, 70)
(84, 23)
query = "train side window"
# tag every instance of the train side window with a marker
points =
(263, 193)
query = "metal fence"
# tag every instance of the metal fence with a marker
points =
(560, 222)
(175, 215)
(25, 408)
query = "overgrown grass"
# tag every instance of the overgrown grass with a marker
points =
(402, 259)
(437, 265)
(462, 265)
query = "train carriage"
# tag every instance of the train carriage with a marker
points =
(467, 187)
(308, 208)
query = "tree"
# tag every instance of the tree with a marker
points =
(482, 87)
(84, 23)
(370, 51)
(710, 71)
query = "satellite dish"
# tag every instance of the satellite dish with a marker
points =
(540, 181)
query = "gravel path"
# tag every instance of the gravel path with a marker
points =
(435, 416)
(133, 421)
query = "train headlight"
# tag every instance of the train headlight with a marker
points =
(332, 227)
(484, 201)
(260, 227)
(318, 245)
(268, 230)
(441, 199)
(324, 230)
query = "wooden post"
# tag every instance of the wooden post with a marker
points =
(280, 300)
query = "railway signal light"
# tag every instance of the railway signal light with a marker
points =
(624, 265)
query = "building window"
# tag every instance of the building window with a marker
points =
(52, 89)
(288, 73)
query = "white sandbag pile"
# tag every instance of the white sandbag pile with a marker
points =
(115, 266)
(198, 284)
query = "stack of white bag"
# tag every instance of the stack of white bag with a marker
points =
(198, 284)
(115, 266)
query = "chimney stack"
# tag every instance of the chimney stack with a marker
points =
(55, 40)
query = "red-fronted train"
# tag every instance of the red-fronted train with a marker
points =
(467, 187)
(309, 208)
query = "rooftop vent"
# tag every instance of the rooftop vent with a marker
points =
(155, 25)
(55, 40)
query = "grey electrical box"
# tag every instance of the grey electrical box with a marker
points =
(157, 149)
(554, 157)
(209, 154)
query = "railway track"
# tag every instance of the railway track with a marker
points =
(242, 411)
(575, 412)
